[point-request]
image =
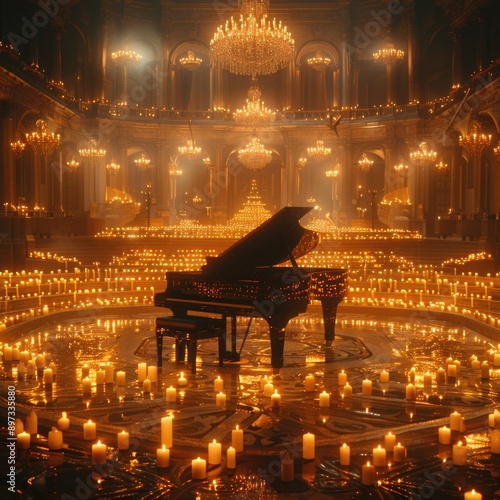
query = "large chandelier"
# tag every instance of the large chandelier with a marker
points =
(424, 155)
(365, 163)
(319, 61)
(254, 113)
(388, 55)
(318, 152)
(41, 140)
(474, 141)
(190, 61)
(190, 151)
(125, 57)
(92, 151)
(143, 162)
(254, 155)
(253, 45)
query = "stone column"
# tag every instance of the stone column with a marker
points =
(8, 180)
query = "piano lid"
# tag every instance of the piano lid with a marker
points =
(276, 240)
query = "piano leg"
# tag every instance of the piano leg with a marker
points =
(159, 346)
(329, 306)
(277, 333)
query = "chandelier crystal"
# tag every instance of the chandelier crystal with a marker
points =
(190, 151)
(143, 162)
(92, 151)
(125, 57)
(254, 113)
(18, 148)
(424, 155)
(319, 61)
(318, 152)
(254, 155)
(252, 45)
(190, 61)
(365, 163)
(474, 142)
(388, 55)
(41, 140)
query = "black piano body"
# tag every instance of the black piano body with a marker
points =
(245, 280)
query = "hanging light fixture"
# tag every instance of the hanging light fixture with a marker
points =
(113, 167)
(441, 167)
(388, 55)
(318, 152)
(252, 45)
(17, 148)
(365, 163)
(254, 113)
(190, 150)
(143, 162)
(125, 57)
(190, 61)
(254, 155)
(401, 169)
(302, 162)
(424, 155)
(72, 164)
(474, 142)
(319, 61)
(496, 153)
(41, 140)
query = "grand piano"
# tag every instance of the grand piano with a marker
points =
(246, 280)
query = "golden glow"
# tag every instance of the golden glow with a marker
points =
(254, 113)
(125, 56)
(41, 140)
(388, 55)
(474, 142)
(319, 61)
(190, 61)
(424, 155)
(254, 155)
(318, 152)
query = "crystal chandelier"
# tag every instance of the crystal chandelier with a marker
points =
(254, 113)
(319, 61)
(388, 55)
(496, 153)
(365, 163)
(253, 45)
(254, 155)
(41, 140)
(401, 169)
(332, 173)
(190, 151)
(125, 57)
(474, 141)
(190, 61)
(441, 167)
(318, 152)
(72, 164)
(113, 167)
(17, 148)
(424, 156)
(143, 162)
(302, 162)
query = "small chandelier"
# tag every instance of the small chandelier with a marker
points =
(365, 163)
(253, 45)
(332, 173)
(388, 55)
(474, 141)
(190, 150)
(318, 152)
(72, 164)
(143, 162)
(401, 169)
(424, 156)
(319, 61)
(254, 113)
(125, 57)
(496, 153)
(254, 155)
(190, 61)
(92, 151)
(441, 167)
(41, 140)
(113, 167)
(17, 148)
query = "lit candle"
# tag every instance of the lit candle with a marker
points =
(384, 376)
(345, 454)
(237, 438)
(324, 400)
(120, 378)
(85, 371)
(182, 381)
(123, 440)
(7, 354)
(472, 495)
(411, 375)
(218, 385)
(309, 383)
(379, 456)
(440, 376)
(475, 364)
(162, 457)
(31, 424)
(63, 422)
(231, 458)
(146, 386)
(444, 435)
(342, 377)
(99, 453)
(485, 370)
(347, 391)
(171, 394)
(199, 468)
(100, 377)
(89, 430)
(220, 399)
(275, 399)
(411, 392)
(214, 453)
(455, 421)
(153, 373)
(287, 468)
(389, 441)
(495, 441)
(308, 446)
(86, 385)
(47, 376)
(109, 373)
(24, 440)
(167, 431)
(263, 381)
(452, 371)
(399, 453)
(459, 455)
(366, 387)
(55, 439)
(368, 474)
(142, 370)
(19, 426)
(268, 389)
(427, 379)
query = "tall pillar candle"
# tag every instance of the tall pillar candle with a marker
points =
(342, 378)
(399, 453)
(237, 438)
(171, 394)
(120, 378)
(379, 456)
(55, 439)
(63, 423)
(231, 458)
(23, 440)
(31, 424)
(89, 431)
(123, 439)
(218, 385)
(109, 373)
(459, 454)
(153, 373)
(411, 392)
(308, 446)
(444, 435)
(309, 383)
(167, 431)
(214, 453)
(368, 474)
(142, 372)
(345, 454)
(199, 468)
(287, 468)
(366, 387)
(324, 400)
(389, 441)
(455, 421)
(162, 457)
(99, 453)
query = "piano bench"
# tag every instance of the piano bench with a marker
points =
(187, 331)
